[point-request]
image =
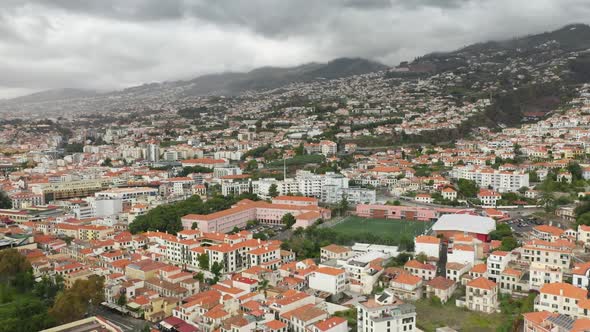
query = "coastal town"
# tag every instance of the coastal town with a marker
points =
(378, 202)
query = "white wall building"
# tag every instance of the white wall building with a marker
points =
(502, 181)
(328, 279)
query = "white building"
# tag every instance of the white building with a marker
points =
(428, 245)
(362, 272)
(385, 313)
(482, 295)
(152, 152)
(502, 181)
(496, 263)
(328, 279)
(562, 298)
(126, 194)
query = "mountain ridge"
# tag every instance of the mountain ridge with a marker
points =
(227, 83)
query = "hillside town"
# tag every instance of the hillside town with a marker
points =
(371, 203)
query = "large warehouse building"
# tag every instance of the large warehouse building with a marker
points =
(450, 225)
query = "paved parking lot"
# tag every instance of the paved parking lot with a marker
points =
(523, 225)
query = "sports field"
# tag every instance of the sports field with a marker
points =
(391, 228)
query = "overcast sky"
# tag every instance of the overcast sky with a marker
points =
(109, 44)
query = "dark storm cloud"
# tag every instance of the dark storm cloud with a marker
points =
(110, 44)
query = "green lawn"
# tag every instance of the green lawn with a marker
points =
(391, 228)
(430, 316)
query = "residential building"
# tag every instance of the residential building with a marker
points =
(328, 279)
(482, 295)
(385, 312)
(561, 298)
(441, 287)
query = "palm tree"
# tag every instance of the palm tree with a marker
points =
(547, 199)
(263, 286)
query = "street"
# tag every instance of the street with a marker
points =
(126, 323)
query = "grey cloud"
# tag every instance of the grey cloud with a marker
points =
(113, 43)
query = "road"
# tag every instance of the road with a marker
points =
(126, 323)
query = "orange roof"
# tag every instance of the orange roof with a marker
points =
(275, 325)
(311, 215)
(463, 247)
(581, 268)
(427, 239)
(296, 198)
(336, 248)
(419, 265)
(488, 193)
(555, 231)
(407, 279)
(512, 272)
(482, 283)
(329, 323)
(563, 289)
(204, 161)
(463, 238)
(441, 283)
(330, 271)
(479, 268)
(537, 317)
(581, 325)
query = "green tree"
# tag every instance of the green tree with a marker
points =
(584, 219)
(122, 300)
(71, 304)
(48, 288)
(107, 162)
(68, 307)
(216, 269)
(502, 230)
(343, 205)
(421, 257)
(299, 150)
(273, 190)
(547, 200)
(15, 270)
(5, 201)
(199, 276)
(288, 220)
(252, 165)
(195, 225)
(194, 169)
(576, 170)
(509, 243)
(467, 188)
(203, 261)
(263, 286)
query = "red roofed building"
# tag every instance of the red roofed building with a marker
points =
(419, 269)
(332, 324)
(482, 295)
(441, 287)
(407, 286)
(205, 162)
(562, 298)
(488, 197)
(328, 279)
(246, 210)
